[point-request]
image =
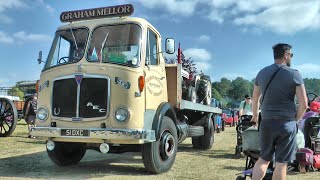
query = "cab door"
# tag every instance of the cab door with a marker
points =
(155, 75)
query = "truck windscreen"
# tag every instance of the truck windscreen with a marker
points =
(68, 47)
(116, 44)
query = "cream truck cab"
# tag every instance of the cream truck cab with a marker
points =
(105, 86)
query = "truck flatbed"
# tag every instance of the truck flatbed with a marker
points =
(198, 107)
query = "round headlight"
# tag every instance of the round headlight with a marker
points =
(121, 115)
(42, 114)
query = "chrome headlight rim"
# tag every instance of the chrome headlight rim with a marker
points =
(45, 114)
(127, 114)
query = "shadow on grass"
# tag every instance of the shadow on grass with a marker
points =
(32, 142)
(212, 153)
(94, 164)
(240, 169)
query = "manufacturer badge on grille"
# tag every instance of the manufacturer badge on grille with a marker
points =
(79, 78)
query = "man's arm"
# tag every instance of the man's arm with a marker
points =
(255, 103)
(302, 99)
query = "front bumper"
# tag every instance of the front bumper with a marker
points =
(98, 133)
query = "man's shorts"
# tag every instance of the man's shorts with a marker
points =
(278, 137)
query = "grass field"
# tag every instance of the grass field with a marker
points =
(26, 158)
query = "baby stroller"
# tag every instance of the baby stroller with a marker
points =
(251, 149)
(244, 124)
(312, 141)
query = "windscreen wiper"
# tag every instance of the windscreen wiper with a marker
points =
(102, 45)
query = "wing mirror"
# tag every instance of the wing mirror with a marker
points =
(40, 57)
(170, 46)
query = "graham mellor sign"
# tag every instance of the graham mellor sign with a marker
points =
(103, 12)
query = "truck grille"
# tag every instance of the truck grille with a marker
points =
(93, 97)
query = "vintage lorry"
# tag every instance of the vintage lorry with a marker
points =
(105, 86)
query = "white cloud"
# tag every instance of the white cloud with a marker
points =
(216, 16)
(222, 3)
(4, 38)
(285, 19)
(4, 5)
(279, 16)
(5, 19)
(201, 66)
(308, 70)
(49, 8)
(176, 7)
(197, 54)
(23, 36)
(203, 38)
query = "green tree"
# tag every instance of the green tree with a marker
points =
(216, 94)
(312, 85)
(187, 63)
(239, 88)
(15, 91)
(222, 87)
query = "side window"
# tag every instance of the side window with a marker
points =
(152, 47)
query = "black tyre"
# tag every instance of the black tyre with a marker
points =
(66, 153)
(192, 94)
(207, 99)
(159, 156)
(8, 117)
(205, 141)
(240, 178)
(238, 151)
(223, 124)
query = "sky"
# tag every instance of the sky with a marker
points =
(225, 38)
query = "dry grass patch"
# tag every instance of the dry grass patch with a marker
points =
(22, 157)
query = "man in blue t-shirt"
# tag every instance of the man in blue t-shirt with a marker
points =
(278, 111)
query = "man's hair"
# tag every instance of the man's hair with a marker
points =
(279, 50)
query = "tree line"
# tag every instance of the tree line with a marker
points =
(231, 93)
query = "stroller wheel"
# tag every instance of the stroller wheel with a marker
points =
(238, 152)
(240, 178)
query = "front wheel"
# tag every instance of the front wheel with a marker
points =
(159, 156)
(65, 153)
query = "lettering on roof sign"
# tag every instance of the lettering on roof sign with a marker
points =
(112, 11)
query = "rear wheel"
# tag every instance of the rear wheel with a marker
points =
(8, 117)
(159, 156)
(65, 153)
(205, 141)
(207, 99)
(222, 125)
(192, 94)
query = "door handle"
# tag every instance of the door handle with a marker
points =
(162, 78)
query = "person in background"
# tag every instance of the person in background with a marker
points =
(30, 112)
(245, 106)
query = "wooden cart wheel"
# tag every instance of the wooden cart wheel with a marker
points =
(8, 117)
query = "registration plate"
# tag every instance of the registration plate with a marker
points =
(74, 132)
